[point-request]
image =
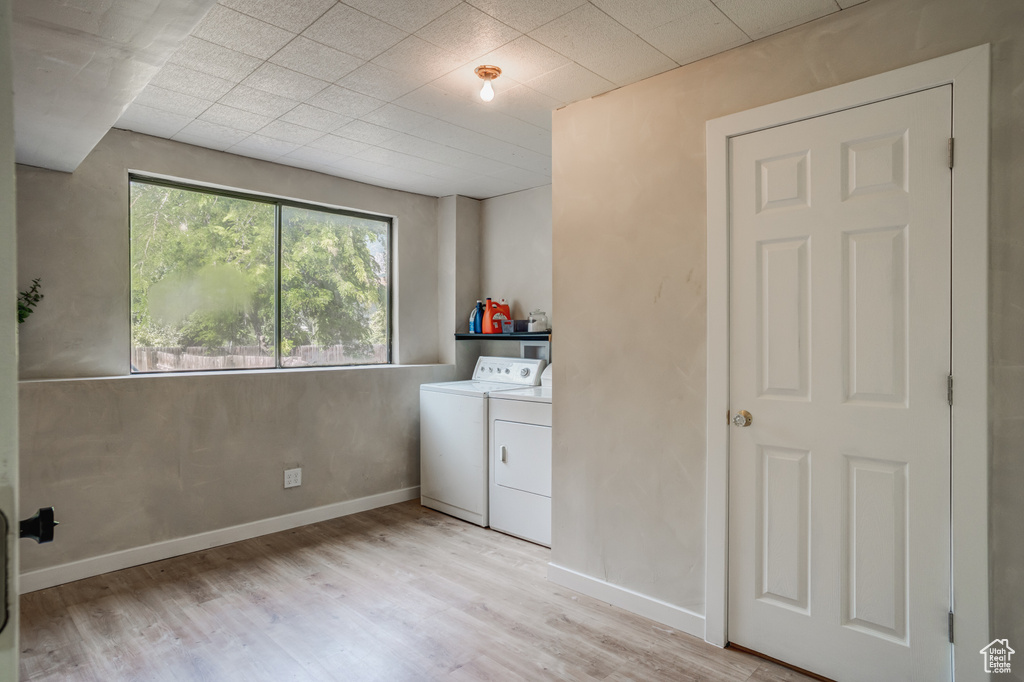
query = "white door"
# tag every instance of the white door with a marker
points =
(8, 361)
(839, 518)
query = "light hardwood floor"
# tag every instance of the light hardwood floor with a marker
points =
(392, 594)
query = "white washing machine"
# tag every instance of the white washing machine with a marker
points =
(520, 452)
(454, 435)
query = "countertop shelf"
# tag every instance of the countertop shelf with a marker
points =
(514, 336)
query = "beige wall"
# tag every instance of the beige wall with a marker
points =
(130, 461)
(458, 253)
(136, 460)
(499, 247)
(8, 353)
(74, 236)
(516, 250)
(629, 210)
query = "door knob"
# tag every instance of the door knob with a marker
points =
(742, 418)
(39, 527)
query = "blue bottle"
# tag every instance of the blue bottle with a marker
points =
(476, 318)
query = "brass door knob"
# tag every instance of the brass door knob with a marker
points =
(742, 418)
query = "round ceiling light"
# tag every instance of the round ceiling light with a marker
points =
(488, 73)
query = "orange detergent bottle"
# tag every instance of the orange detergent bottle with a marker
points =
(494, 313)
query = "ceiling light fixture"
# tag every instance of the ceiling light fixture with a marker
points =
(488, 73)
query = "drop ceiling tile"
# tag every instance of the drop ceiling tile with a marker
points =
(592, 39)
(362, 131)
(190, 82)
(268, 147)
(339, 145)
(697, 35)
(376, 81)
(367, 169)
(171, 102)
(147, 121)
(467, 32)
(258, 101)
(235, 118)
(523, 177)
(526, 104)
(570, 83)
(289, 132)
(408, 15)
(346, 102)
(408, 162)
(215, 60)
(438, 103)
(398, 118)
(237, 31)
(316, 60)
(643, 15)
(483, 145)
(526, 15)
(511, 130)
(253, 153)
(451, 135)
(523, 59)
(317, 119)
(314, 155)
(760, 19)
(419, 59)
(208, 134)
(296, 162)
(278, 80)
(463, 82)
(427, 149)
(291, 15)
(351, 31)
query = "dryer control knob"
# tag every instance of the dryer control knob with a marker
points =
(524, 372)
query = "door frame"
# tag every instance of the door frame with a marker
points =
(968, 72)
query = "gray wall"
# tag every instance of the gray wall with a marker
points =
(516, 250)
(499, 247)
(458, 253)
(136, 460)
(73, 233)
(130, 461)
(8, 346)
(629, 235)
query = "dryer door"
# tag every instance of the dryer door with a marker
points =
(522, 458)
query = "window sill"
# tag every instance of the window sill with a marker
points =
(241, 372)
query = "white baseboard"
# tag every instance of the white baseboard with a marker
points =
(136, 556)
(668, 614)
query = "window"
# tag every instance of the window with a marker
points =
(231, 281)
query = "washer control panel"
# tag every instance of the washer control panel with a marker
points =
(518, 371)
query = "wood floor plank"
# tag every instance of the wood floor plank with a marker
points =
(393, 594)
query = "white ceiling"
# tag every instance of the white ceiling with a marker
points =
(383, 91)
(79, 63)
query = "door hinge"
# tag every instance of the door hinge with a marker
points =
(728, 417)
(951, 153)
(950, 627)
(949, 390)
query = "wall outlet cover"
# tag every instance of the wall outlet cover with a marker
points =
(293, 477)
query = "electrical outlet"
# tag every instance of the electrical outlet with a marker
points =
(293, 477)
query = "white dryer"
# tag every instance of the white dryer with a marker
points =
(520, 451)
(454, 435)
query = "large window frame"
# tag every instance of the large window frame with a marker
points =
(278, 203)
